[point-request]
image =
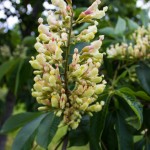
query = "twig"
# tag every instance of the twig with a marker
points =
(64, 147)
(59, 143)
(67, 53)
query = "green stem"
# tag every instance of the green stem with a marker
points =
(115, 76)
(67, 54)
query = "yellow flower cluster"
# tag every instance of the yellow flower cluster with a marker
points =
(83, 72)
(54, 76)
(139, 49)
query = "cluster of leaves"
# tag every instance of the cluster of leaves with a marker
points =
(127, 96)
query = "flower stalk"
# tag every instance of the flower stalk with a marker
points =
(68, 53)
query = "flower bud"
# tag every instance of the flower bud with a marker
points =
(60, 3)
(41, 58)
(102, 103)
(51, 19)
(40, 20)
(36, 94)
(58, 54)
(95, 108)
(84, 106)
(43, 37)
(55, 100)
(96, 79)
(74, 125)
(43, 29)
(43, 108)
(79, 100)
(89, 92)
(46, 89)
(38, 45)
(52, 81)
(99, 88)
(59, 113)
(80, 71)
(38, 86)
(35, 64)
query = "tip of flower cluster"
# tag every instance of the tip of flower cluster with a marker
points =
(75, 50)
(89, 60)
(96, 23)
(98, 2)
(62, 90)
(68, 8)
(105, 8)
(49, 12)
(37, 39)
(102, 103)
(101, 37)
(40, 20)
(104, 82)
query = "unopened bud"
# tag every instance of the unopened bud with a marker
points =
(40, 20)
(43, 108)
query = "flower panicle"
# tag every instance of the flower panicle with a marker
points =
(70, 90)
(139, 49)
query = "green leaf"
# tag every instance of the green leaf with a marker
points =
(109, 137)
(18, 76)
(109, 31)
(15, 37)
(139, 145)
(78, 11)
(29, 144)
(132, 121)
(144, 17)
(125, 140)
(122, 75)
(47, 130)
(140, 94)
(143, 73)
(132, 25)
(80, 136)
(26, 133)
(97, 125)
(81, 28)
(147, 145)
(29, 41)
(7, 66)
(134, 105)
(18, 121)
(120, 26)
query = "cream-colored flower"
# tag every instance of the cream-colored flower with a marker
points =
(70, 90)
(92, 12)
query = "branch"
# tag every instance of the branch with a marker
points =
(64, 147)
